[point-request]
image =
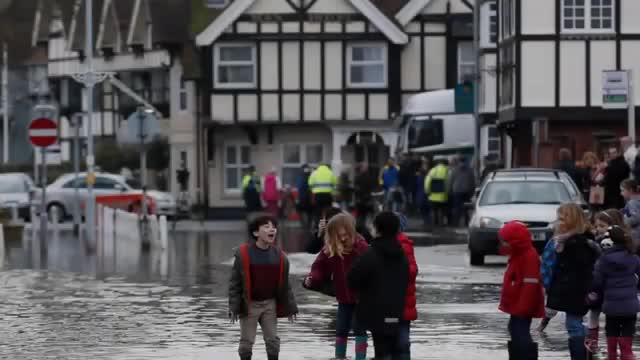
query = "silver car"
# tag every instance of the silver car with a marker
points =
(15, 189)
(61, 193)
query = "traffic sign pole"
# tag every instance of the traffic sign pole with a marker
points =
(43, 204)
(631, 113)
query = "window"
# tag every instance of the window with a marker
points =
(367, 66)
(79, 182)
(236, 162)
(183, 95)
(425, 132)
(38, 80)
(215, 4)
(524, 192)
(508, 15)
(493, 141)
(235, 66)
(466, 61)
(507, 76)
(489, 31)
(587, 15)
(103, 183)
(296, 155)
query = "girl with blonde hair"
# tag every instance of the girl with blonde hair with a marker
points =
(571, 274)
(342, 246)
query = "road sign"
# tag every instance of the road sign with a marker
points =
(615, 89)
(142, 127)
(43, 132)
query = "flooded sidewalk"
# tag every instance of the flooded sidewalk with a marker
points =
(129, 307)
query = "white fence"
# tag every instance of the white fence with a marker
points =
(116, 226)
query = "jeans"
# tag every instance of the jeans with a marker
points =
(404, 337)
(520, 332)
(394, 199)
(574, 326)
(346, 321)
(621, 326)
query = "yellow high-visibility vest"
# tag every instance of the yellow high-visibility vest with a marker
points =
(322, 180)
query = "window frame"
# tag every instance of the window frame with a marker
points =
(217, 63)
(303, 158)
(459, 62)
(350, 62)
(587, 20)
(183, 96)
(488, 14)
(239, 165)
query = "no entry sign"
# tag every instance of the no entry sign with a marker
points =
(43, 132)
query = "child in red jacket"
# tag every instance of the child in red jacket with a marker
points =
(522, 292)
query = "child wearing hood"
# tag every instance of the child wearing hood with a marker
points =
(616, 277)
(522, 293)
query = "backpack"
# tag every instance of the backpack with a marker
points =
(548, 263)
(270, 192)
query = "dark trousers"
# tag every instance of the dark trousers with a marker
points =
(621, 326)
(386, 346)
(346, 320)
(520, 331)
(440, 213)
(459, 211)
(404, 337)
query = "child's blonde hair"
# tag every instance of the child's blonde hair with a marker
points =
(333, 245)
(574, 218)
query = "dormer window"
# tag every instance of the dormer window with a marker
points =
(215, 4)
(579, 16)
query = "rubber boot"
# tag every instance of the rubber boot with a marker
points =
(626, 349)
(612, 348)
(592, 340)
(361, 347)
(532, 354)
(245, 357)
(577, 349)
(341, 347)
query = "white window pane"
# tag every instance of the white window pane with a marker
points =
(231, 155)
(245, 155)
(232, 178)
(235, 74)
(292, 154)
(314, 154)
(290, 175)
(236, 53)
(367, 74)
(367, 53)
(466, 51)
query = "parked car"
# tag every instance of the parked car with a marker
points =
(531, 196)
(15, 189)
(61, 193)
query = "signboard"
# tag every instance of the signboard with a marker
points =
(140, 127)
(615, 89)
(43, 132)
(53, 155)
(464, 98)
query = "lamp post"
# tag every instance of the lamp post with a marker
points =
(76, 122)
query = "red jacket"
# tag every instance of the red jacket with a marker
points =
(522, 291)
(410, 311)
(324, 267)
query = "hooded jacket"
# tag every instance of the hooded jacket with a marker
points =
(335, 269)
(522, 291)
(616, 277)
(381, 277)
(410, 311)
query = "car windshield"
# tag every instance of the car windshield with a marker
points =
(524, 192)
(134, 184)
(12, 185)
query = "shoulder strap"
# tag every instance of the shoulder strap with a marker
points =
(246, 265)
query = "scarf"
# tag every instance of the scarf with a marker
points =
(561, 239)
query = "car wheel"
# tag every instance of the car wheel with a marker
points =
(476, 259)
(57, 210)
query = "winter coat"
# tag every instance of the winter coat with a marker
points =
(616, 277)
(304, 193)
(570, 168)
(240, 286)
(381, 277)
(463, 180)
(365, 183)
(572, 276)
(389, 178)
(522, 292)
(616, 172)
(631, 214)
(336, 268)
(410, 311)
(406, 176)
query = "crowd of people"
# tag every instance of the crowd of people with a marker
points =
(373, 284)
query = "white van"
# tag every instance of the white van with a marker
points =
(430, 125)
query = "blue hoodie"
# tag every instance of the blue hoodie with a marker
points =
(390, 177)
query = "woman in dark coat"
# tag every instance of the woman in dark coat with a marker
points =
(572, 275)
(616, 172)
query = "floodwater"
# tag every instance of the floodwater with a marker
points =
(173, 304)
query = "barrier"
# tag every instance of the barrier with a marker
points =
(116, 226)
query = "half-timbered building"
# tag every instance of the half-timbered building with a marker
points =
(293, 82)
(551, 55)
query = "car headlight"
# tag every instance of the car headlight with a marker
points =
(490, 223)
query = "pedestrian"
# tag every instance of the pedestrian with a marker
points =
(410, 310)
(389, 179)
(304, 195)
(566, 164)
(345, 191)
(616, 172)
(259, 290)
(365, 185)
(381, 277)
(251, 190)
(342, 247)
(615, 279)
(435, 186)
(406, 178)
(323, 185)
(463, 185)
(603, 220)
(631, 211)
(572, 272)
(590, 166)
(629, 150)
(271, 188)
(317, 237)
(522, 293)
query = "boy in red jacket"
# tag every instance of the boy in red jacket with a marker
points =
(522, 293)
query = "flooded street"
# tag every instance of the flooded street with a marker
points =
(136, 307)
